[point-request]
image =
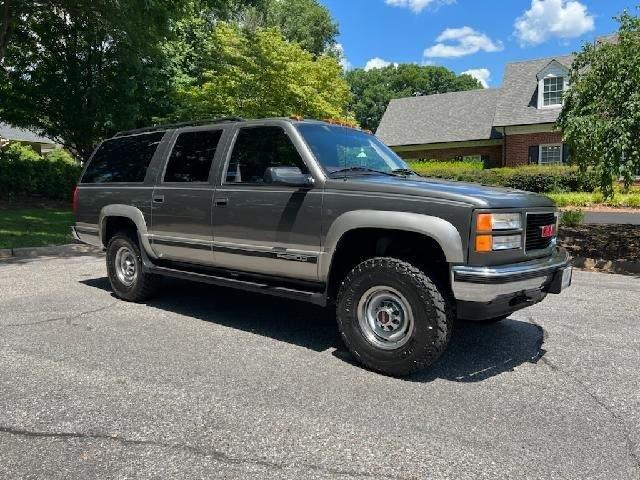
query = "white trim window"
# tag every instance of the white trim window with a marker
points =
(553, 81)
(553, 89)
(550, 154)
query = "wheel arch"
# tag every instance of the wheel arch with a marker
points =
(441, 232)
(127, 213)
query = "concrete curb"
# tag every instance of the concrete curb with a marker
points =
(54, 251)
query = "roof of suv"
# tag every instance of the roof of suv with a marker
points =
(213, 121)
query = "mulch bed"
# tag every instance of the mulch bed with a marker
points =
(602, 242)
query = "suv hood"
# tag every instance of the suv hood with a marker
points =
(479, 196)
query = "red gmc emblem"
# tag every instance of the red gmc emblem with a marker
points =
(547, 231)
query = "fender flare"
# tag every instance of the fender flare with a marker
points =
(443, 232)
(132, 213)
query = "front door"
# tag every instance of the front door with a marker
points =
(182, 200)
(263, 228)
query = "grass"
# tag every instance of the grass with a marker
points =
(35, 227)
(583, 199)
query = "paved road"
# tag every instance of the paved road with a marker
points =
(208, 383)
(612, 218)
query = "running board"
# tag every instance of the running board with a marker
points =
(316, 298)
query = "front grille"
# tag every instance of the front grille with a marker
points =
(534, 240)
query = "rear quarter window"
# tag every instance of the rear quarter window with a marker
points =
(124, 159)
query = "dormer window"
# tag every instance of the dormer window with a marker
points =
(553, 90)
(553, 81)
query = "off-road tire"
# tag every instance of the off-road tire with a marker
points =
(432, 312)
(145, 284)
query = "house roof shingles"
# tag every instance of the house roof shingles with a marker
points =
(20, 135)
(440, 118)
(517, 102)
(470, 115)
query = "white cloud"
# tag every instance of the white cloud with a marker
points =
(463, 41)
(338, 50)
(483, 75)
(553, 18)
(377, 62)
(416, 6)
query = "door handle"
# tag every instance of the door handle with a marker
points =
(158, 199)
(221, 202)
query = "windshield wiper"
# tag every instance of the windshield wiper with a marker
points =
(362, 169)
(403, 171)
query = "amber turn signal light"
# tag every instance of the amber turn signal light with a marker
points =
(484, 243)
(485, 222)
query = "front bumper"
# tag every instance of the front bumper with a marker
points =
(487, 292)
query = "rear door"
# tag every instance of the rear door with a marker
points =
(181, 227)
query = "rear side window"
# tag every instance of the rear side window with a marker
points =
(258, 148)
(123, 159)
(192, 155)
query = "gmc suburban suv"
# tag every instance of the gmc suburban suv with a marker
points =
(319, 212)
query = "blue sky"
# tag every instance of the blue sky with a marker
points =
(468, 35)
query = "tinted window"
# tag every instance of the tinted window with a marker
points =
(123, 159)
(259, 148)
(191, 157)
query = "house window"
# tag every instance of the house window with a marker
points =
(553, 89)
(550, 154)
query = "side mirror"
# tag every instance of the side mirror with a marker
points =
(287, 176)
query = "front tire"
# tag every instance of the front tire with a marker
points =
(393, 317)
(126, 274)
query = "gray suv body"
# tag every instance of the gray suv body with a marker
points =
(323, 213)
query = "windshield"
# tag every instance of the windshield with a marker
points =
(343, 149)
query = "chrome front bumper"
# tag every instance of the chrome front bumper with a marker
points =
(486, 284)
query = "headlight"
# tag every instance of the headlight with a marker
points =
(491, 243)
(488, 222)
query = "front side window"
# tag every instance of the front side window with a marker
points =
(191, 157)
(553, 89)
(551, 155)
(339, 149)
(259, 148)
(123, 159)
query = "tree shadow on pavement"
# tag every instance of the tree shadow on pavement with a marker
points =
(476, 351)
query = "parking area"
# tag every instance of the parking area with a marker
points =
(210, 383)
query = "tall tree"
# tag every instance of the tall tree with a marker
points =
(374, 89)
(260, 74)
(306, 22)
(601, 114)
(78, 70)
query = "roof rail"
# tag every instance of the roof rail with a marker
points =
(171, 126)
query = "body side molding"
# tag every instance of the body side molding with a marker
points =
(133, 214)
(443, 232)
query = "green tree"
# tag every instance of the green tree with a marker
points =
(79, 70)
(260, 74)
(601, 114)
(306, 22)
(374, 89)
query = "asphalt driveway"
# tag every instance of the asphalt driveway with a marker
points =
(210, 383)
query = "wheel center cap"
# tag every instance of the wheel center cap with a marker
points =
(383, 317)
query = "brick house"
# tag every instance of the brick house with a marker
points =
(507, 126)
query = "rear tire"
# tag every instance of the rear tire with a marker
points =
(393, 317)
(125, 269)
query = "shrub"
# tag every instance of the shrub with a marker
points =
(540, 179)
(24, 172)
(572, 218)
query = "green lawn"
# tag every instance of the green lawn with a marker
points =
(35, 227)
